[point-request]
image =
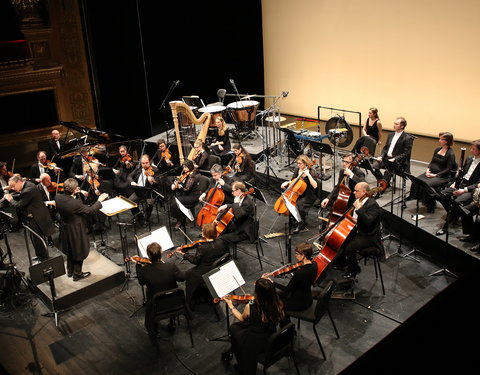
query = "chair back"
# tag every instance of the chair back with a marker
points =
(323, 301)
(223, 259)
(203, 183)
(169, 303)
(221, 94)
(214, 159)
(279, 344)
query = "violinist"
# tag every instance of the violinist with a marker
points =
(158, 276)
(4, 176)
(349, 175)
(143, 180)
(220, 144)
(186, 190)
(368, 228)
(207, 252)
(43, 166)
(297, 294)
(77, 170)
(242, 164)
(257, 322)
(48, 191)
(163, 158)
(243, 216)
(31, 207)
(122, 168)
(307, 199)
(200, 159)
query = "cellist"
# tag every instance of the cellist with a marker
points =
(349, 176)
(367, 232)
(307, 199)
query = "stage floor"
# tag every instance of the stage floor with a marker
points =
(105, 334)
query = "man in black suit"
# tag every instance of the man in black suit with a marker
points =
(367, 232)
(42, 166)
(31, 206)
(55, 143)
(158, 276)
(242, 227)
(464, 194)
(396, 152)
(73, 227)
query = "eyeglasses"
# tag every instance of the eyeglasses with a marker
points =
(346, 161)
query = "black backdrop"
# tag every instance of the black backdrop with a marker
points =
(137, 49)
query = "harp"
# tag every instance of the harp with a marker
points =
(185, 128)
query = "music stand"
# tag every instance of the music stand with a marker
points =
(293, 212)
(323, 148)
(221, 281)
(48, 271)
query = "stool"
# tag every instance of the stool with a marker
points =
(373, 253)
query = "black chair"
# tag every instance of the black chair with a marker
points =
(221, 97)
(375, 253)
(214, 159)
(365, 141)
(280, 344)
(203, 183)
(171, 304)
(316, 311)
(257, 242)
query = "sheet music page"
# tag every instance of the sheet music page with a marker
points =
(227, 279)
(184, 209)
(160, 235)
(114, 205)
(293, 209)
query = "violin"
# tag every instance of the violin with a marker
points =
(181, 178)
(91, 159)
(187, 246)
(49, 165)
(94, 182)
(294, 190)
(127, 160)
(55, 187)
(166, 155)
(284, 269)
(239, 161)
(247, 298)
(138, 259)
(149, 172)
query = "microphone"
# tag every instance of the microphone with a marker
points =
(232, 83)
(284, 94)
(177, 83)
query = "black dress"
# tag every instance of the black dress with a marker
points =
(372, 130)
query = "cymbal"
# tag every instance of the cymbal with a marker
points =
(275, 119)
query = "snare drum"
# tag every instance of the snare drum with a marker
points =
(214, 110)
(243, 111)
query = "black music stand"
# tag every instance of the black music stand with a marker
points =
(428, 190)
(291, 145)
(323, 148)
(48, 271)
(257, 194)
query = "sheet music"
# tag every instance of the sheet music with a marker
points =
(293, 209)
(227, 279)
(160, 235)
(115, 205)
(184, 209)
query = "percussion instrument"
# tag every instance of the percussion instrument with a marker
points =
(243, 111)
(214, 110)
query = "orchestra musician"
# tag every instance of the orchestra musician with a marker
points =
(31, 206)
(349, 176)
(367, 231)
(243, 216)
(200, 159)
(92, 187)
(309, 196)
(48, 191)
(122, 168)
(163, 159)
(73, 227)
(5, 174)
(242, 164)
(396, 152)
(186, 190)
(77, 170)
(43, 166)
(55, 143)
(219, 180)
(297, 294)
(462, 195)
(207, 252)
(158, 276)
(257, 322)
(371, 133)
(148, 177)
(438, 172)
(220, 145)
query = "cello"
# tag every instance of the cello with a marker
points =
(294, 190)
(213, 201)
(336, 235)
(227, 217)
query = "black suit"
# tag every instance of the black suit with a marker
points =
(53, 148)
(242, 227)
(401, 155)
(73, 230)
(138, 194)
(367, 233)
(298, 292)
(158, 277)
(358, 176)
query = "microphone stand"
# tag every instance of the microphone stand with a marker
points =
(163, 106)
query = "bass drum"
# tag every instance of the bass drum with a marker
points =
(243, 111)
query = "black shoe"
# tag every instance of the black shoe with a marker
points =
(476, 248)
(81, 276)
(468, 238)
(352, 274)
(440, 232)
(69, 274)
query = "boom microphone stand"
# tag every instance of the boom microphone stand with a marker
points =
(164, 107)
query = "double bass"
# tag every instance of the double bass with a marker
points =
(294, 190)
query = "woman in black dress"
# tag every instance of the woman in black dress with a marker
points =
(438, 172)
(221, 144)
(200, 159)
(297, 294)
(373, 126)
(242, 164)
(257, 323)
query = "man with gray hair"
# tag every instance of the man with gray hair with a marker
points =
(73, 227)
